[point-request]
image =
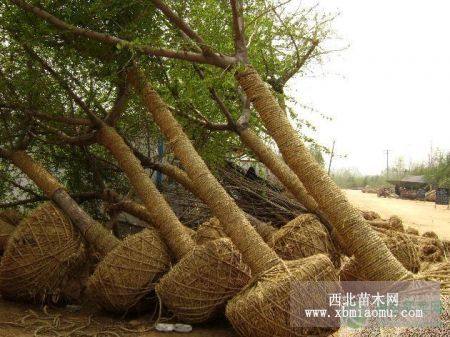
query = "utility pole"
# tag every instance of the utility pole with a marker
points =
(331, 157)
(387, 164)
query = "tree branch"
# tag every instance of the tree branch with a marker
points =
(240, 45)
(219, 60)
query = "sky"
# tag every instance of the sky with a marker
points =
(389, 90)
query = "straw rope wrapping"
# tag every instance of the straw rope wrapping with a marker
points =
(357, 236)
(6, 229)
(41, 256)
(266, 306)
(128, 273)
(209, 230)
(439, 272)
(302, 237)
(199, 286)
(401, 246)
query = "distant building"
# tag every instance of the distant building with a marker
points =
(411, 187)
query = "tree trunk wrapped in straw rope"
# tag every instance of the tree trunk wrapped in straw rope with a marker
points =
(129, 268)
(277, 166)
(357, 236)
(218, 271)
(41, 256)
(401, 246)
(6, 229)
(273, 278)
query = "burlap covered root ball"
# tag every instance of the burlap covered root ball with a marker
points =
(11, 216)
(6, 229)
(201, 283)
(43, 253)
(302, 237)
(350, 270)
(209, 230)
(270, 304)
(124, 279)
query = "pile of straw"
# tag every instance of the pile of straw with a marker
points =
(199, 286)
(302, 237)
(430, 234)
(412, 231)
(123, 280)
(265, 307)
(44, 251)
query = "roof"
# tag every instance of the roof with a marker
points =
(409, 180)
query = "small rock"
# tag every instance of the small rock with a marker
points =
(165, 327)
(182, 327)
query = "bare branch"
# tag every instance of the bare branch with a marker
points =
(238, 31)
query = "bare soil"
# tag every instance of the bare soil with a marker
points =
(17, 319)
(423, 215)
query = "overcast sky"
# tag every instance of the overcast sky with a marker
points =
(390, 89)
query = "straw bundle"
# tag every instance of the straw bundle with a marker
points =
(41, 255)
(11, 216)
(128, 273)
(267, 307)
(209, 230)
(199, 286)
(439, 272)
(412, 231)
(6, 229)
(302, 237)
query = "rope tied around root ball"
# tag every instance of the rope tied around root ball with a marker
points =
(199, 286)
(129, 272)
(302, 237)
(41, 256)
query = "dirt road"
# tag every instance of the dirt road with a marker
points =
(418, 214)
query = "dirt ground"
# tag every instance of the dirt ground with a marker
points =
(422, 215)
(25, 320)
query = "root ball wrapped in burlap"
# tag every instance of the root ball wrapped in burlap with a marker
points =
(124, 279)
(41, 256)
(209, 230)
(431, 250)
(268, 305)
(302, 237)
(6, 229)
(201, 283)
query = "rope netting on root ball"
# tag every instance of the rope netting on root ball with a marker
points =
(6, 229)
(124, 280)
(196, 287)
(269, 304)
(209, 230)
(11, 216)
(401, 246)
(302, 237)
(41, 256)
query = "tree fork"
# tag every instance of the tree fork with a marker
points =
(356, 234)
(255, 252)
